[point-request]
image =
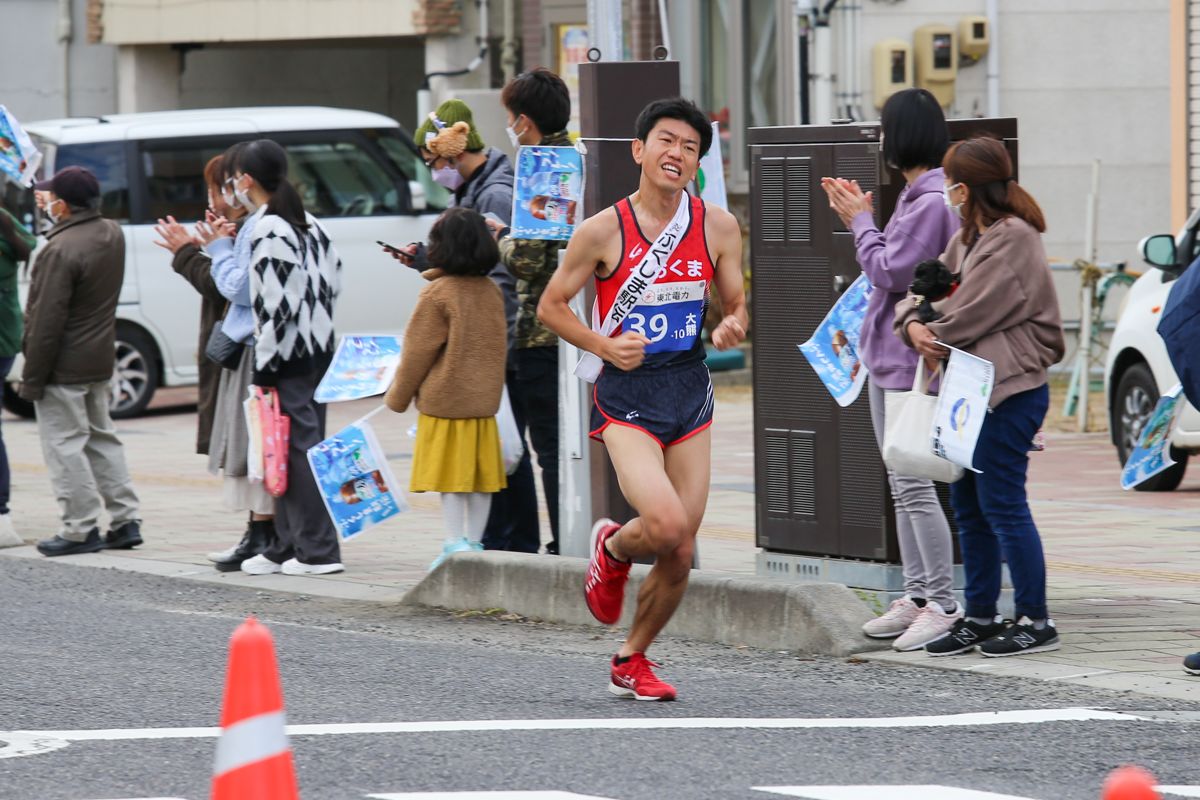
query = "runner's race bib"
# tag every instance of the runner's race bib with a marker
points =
(668, 315)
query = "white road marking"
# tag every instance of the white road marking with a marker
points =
(1079, 675)
(1182, 791)
(1031, 717)
(884, 793)
(487, 796)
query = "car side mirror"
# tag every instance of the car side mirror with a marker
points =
(1159, 251)
(417, 192)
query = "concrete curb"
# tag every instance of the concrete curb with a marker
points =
(815, 618)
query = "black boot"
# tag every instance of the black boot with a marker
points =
(258, 537)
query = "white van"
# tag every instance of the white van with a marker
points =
(1137, 370)
(358, 172)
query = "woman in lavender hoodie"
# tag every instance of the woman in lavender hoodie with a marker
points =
(914, 139)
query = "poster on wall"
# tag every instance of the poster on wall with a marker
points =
(570, 50)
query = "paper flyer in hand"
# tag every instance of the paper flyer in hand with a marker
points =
(547, 193)
(354, 480)
(19, 159)
(833, 349)
(962, 406)
(363, 366)
(1153, 451)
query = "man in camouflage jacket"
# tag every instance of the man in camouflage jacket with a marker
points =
(536, 102)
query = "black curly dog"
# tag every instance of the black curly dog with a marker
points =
(932, 281)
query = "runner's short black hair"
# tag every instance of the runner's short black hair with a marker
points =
(540, 95)
(914, 130)
(675, 108)
(461, 244)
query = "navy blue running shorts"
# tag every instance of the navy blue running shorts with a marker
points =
(670, 403)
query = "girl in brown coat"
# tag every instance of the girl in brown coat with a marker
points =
(453, 368)
(1005, 311)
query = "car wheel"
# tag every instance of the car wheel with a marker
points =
(15, 403)
(1136, 396)
(135, 374)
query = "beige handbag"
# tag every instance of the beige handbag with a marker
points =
(908, 433)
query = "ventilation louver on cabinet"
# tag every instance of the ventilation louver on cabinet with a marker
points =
(785, 200)
(771, 199)
(791, 473)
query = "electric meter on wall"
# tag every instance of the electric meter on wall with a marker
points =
(973, 37)
(936, 59)
(892, 68)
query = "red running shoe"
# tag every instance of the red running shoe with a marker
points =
(604, 589)
(635, 678)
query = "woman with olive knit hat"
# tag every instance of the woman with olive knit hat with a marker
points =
(481, 178)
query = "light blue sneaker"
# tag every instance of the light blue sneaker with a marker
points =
(476, 546)
(449, 547)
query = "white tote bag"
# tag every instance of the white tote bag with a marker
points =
(908, 433)
(511, 446)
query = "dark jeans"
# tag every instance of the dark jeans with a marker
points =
(994, 521)
(302, 524)
(6, 363)
(537, 397)
(513, 519)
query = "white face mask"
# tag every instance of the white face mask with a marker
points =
(955, 207)
(513, 136)
(48, 211)
(243, 196)
(228, 197)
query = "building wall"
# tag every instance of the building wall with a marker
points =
(1087, 79)
(373, 75)
(259, 20)
(31, 63)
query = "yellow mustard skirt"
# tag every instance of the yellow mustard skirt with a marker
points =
(457, 455)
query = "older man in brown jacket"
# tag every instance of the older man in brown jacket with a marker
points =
(70, 331)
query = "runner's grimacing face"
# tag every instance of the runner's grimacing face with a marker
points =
(670, 155)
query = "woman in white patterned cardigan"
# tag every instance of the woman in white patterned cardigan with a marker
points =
(295, 276)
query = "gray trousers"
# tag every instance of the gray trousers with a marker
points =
(302, 524)
(926, 551)
(85, 457)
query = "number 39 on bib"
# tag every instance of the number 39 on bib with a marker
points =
(669, 315)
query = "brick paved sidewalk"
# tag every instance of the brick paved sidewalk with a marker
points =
(1124, 568)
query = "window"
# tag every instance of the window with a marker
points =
(106, 160)
(404, 157)
(341, 179)
(714, 45)
(174, 179)
(761, 43)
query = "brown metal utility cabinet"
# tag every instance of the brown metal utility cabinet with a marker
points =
(823, 509)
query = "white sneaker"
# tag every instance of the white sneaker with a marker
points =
(895, 621)
(931, 624)
(294, 567)
(260, 565)
(8, 535)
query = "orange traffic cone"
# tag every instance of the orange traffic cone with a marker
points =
(253, 756)
(1130, 783)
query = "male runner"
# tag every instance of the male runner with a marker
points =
(653, 400)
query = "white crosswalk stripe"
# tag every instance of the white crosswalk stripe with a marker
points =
(885, 793)
(487, 796)
(1181, 791)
